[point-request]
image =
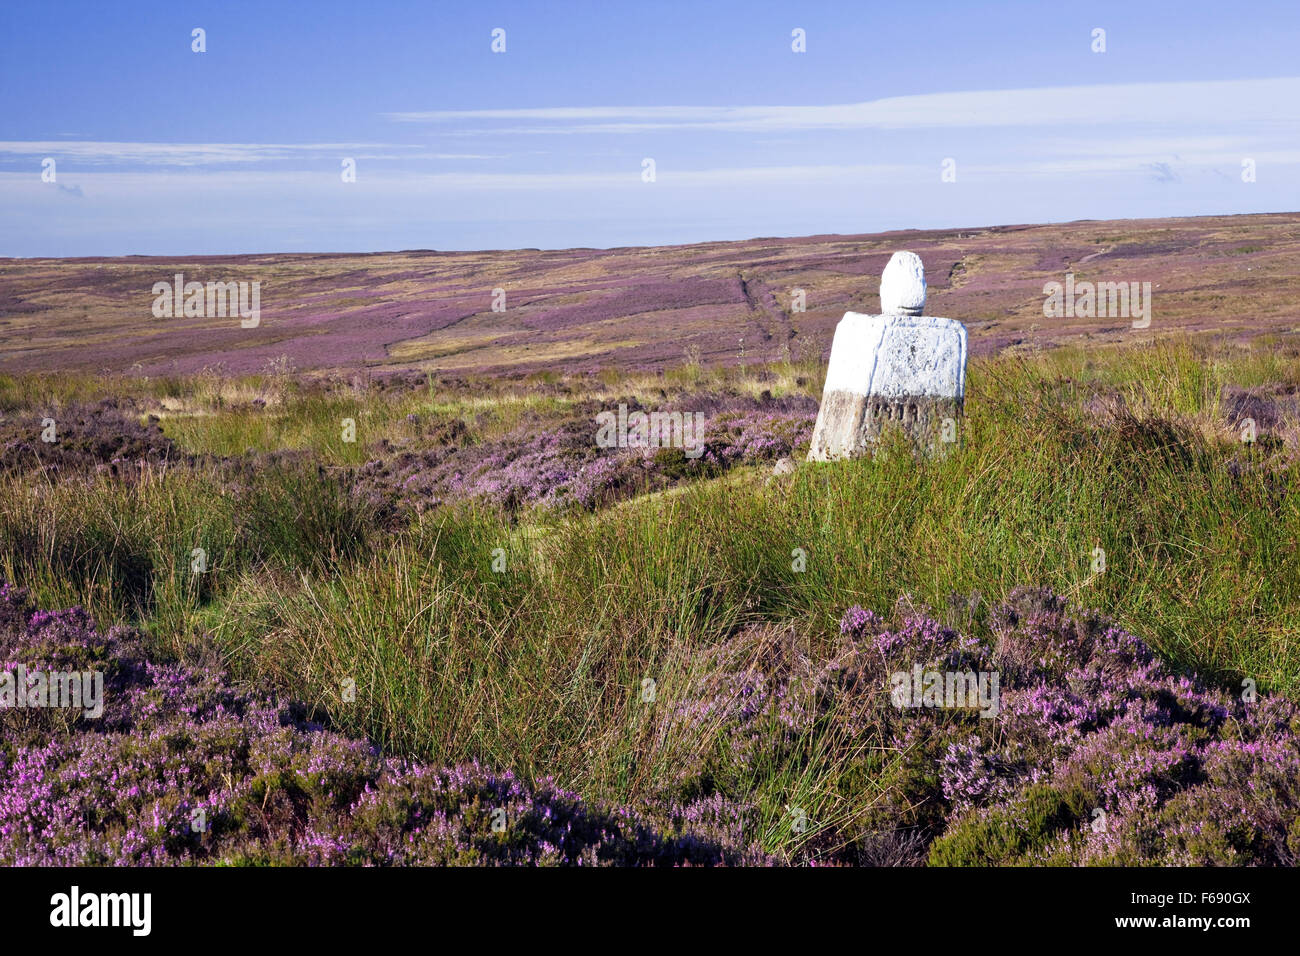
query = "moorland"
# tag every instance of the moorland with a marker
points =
(462, 632)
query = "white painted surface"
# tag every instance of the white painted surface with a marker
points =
(902, 285)
(896, 355)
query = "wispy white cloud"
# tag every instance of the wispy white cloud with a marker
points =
(775, 179)
(1275, 102)
(212, 154)
(416, 184)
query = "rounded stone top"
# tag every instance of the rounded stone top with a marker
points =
(902, 285)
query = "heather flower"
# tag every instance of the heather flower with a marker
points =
(557, 465)
(1090, 726)
(185, 768)
(857, 620)
(107, 437)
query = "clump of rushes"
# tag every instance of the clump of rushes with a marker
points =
(181, 767)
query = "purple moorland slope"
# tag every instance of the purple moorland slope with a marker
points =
(582, 309)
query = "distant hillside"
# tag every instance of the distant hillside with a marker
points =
(640, 307)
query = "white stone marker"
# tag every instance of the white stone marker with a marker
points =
(901, 368)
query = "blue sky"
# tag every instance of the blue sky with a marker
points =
(161, 150)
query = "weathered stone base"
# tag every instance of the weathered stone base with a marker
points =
(851, 425)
